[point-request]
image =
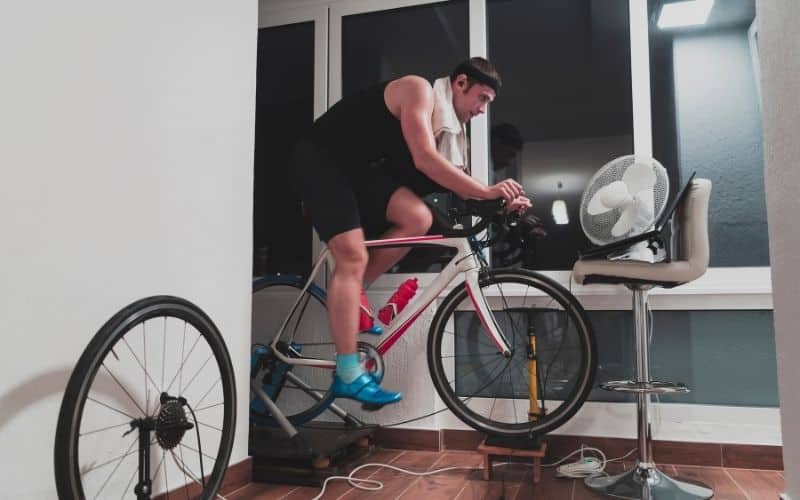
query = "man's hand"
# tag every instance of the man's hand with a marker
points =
(519, 204)
(509, 189)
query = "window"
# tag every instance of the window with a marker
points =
(707, 118)
(564, 110)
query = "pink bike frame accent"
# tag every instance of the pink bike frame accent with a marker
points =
(464, 264)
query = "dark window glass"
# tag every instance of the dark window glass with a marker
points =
(564, 110)
(707, 118)
(425, 40)
(284, 108)
(725, 357)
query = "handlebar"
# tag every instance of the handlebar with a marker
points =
(488, 211)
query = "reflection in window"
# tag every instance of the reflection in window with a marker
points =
(707, 118)
(376, 47)
(564, 110)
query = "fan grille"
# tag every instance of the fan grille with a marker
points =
(598, 227)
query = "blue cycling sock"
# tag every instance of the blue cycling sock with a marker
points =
(348, 367)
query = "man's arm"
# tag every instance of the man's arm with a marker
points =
(415, 101)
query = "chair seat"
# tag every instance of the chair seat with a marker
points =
(666, 274)
(694, 245)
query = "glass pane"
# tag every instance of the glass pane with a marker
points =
(564, 110)
(707, 118)
(725, 357)
(425, 40)
(284, 108)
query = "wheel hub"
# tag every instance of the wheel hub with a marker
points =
(171, 424)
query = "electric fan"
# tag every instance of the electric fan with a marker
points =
(624, 199)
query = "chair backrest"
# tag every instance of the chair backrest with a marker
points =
(693, 220)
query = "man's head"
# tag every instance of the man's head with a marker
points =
(475, 84)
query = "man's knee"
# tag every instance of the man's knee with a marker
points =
(420, 219)
(350, 255)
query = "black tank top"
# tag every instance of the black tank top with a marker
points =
(361, 132)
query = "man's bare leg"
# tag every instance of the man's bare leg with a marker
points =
(350, 380)
(409, 216)
(344, 289)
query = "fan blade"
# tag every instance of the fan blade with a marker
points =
(609, 197)
(625, 222)
(638, 177)
(645, 200)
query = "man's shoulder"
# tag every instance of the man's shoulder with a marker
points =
(412, 83)
(410, 89)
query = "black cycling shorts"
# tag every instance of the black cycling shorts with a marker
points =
(340, 199)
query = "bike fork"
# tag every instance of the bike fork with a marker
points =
(485, 314)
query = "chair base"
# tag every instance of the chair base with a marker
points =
(643, 483)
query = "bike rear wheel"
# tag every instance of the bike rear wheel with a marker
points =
(300, 392)
(150, 407)
(514, 396)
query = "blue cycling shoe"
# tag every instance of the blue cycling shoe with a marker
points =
(365, 390)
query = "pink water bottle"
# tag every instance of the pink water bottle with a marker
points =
(398, 301)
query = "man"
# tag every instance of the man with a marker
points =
(362, 170)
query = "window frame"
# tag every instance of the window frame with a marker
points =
(719, 288)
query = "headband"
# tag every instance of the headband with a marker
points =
(476, 74)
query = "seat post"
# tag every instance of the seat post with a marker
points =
(642, 375)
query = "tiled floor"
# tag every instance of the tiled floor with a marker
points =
(511, 482)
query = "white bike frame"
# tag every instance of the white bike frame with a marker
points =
(465, 263)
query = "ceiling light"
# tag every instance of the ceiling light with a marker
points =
(683, 14)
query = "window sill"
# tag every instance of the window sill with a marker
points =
(719, 288)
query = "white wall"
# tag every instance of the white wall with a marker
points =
(779, 47)
(126, 148)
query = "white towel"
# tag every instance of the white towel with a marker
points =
(449, 132)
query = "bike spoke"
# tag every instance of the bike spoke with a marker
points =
(142, 366)
(200, 370)
(124, 390)
(95, 431)
(166, 478)
(130, 482)
(146, 374)
(100, 466)
(154, 480)
(183, 363)
(183, 351)
(198, 410)
(208, 392)
(183, 467)
(89, 398)
(163, 352)
(480, 339)
(200, 422)
(119, 461)
(185, 477)
(486, 355)
(196, 452)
